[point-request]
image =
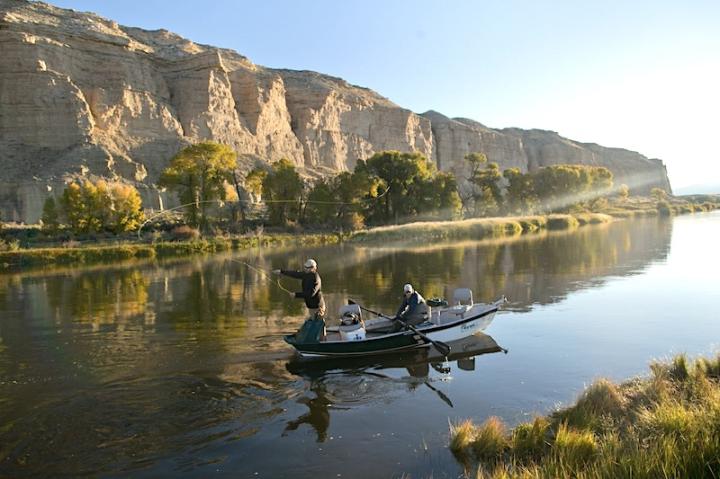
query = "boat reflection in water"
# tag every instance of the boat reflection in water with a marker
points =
(344, 383)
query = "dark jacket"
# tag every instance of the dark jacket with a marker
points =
(413, 308)
(311, 284)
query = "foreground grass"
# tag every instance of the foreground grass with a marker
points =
(126, 251)
(666, 425)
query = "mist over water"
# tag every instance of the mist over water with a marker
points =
(179, 368)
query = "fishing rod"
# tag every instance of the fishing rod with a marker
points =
(265, 275)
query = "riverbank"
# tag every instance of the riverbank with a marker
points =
(91, 254)
(17, 257)
(475, 229)
(665, 425)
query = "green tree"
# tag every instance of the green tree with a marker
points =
(322, 203)
(520, 192)
(485, 194)
(283, 189)
(448, 199)
(560, 187)
(78, 201)
(399, 172)
(50, 215)
(198, 174)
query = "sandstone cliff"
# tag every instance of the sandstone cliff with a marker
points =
(81, 96)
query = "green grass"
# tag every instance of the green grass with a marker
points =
(663, 425)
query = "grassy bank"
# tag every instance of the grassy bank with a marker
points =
(640, 206)
(666, 425)
(126, 251)
(474, 229)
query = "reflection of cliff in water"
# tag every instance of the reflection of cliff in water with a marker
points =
(336, 384)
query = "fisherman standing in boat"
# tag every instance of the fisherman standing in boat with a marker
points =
(413, 310)
(311, 284)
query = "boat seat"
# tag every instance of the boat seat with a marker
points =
(463, 296)
(347, 309)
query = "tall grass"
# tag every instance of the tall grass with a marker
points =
(665, 425)
(475, 229)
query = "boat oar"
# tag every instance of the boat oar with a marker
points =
(443, 348)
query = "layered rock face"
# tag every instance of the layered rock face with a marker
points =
(81, 96)
(533, 149)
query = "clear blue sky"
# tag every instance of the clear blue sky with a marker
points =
(642, 75)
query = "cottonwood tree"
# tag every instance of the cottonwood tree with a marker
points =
(50, 215)
(96, 207)
(198, 174)
(485, 193)
(520, 195)
(282, 189)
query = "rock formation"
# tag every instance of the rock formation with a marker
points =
(81, 96)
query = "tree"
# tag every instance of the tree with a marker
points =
(398, 171)
(94, 207)
(76, 202)
(254, 181)
(198, 174)
(562, 186)
(322, 203)
(126, 212)
(623, 192)
(283, 189)
(448, 201)
(50, 215)
(659, 194)
(485, 194)
(520, 192)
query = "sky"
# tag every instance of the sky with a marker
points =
(641, 75)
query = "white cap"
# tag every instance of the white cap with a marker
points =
(408, 288)
(311, 263)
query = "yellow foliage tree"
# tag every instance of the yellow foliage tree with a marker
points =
(94, 207)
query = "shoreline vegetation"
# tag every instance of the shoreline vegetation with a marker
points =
(94, 252)
(662, 425)
(399, 196)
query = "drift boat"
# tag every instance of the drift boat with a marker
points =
(355, 336)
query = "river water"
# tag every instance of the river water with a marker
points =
(179, 368)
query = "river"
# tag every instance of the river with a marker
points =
(179, 368)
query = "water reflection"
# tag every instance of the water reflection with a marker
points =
(169, 362)
(336, 384)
